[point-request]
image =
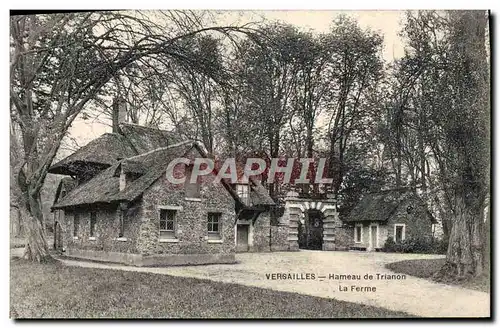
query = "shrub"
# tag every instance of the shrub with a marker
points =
(390, 246)
(423, 245)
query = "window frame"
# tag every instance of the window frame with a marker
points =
(214, 235)
(121, 224)
(244, 193)
(93, 217)
(167, 233)
(403, 231)
(76, 225)
(360, 235)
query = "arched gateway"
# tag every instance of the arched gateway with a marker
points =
(297, 208)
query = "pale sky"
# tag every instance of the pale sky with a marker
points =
(386, 23)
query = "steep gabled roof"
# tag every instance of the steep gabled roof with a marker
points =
(67, 184)
(104, 187)
(380, 206)
(156, 163)
(144, 139)
(105, 151)
(258, 194)
(111, 147)
(100, 189)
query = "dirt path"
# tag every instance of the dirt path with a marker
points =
(412, 295)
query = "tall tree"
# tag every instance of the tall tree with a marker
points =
(59, 65)
(354, 71)
(467, 134)
(268, 74)
(313, 56)
(444, 126)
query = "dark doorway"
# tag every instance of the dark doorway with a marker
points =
(242, 238)
(311, 232)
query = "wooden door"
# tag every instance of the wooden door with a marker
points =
(242, 238)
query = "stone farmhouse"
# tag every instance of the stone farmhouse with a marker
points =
(116, 204)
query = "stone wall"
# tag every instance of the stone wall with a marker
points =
(344, 237)
(264, 237)
(260, 233)
(418, 224)
(279, 238)
(106, 229)
(191, 234)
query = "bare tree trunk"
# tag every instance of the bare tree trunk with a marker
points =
(465, 257)
(36, 248)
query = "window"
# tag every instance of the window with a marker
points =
(242, 191)
(214, 225)
(167, 223)
(93, 219)
(121, 218)
(192, 189)
(358, 233)
(399, 232)
(76, 224)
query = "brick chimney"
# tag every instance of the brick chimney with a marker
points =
(119, 113)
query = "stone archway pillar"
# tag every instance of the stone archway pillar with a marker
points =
(296, 207)
(331, 225)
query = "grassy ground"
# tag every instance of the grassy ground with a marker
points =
(427, 268)
(53, 290)
(20, 242)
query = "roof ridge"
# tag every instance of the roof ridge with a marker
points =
(159, 149)
(143, 126)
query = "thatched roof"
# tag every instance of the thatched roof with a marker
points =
(144, 139)
(100, 189)
(130, 166)
(156, 163)
(66, 184)
(259, 195)
(143, 151)
(382, 205)
(105, 151)
(112, 147)
(104, 187)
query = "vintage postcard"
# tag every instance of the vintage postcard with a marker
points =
(250, 164)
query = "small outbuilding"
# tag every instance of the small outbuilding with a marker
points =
(400, 214)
